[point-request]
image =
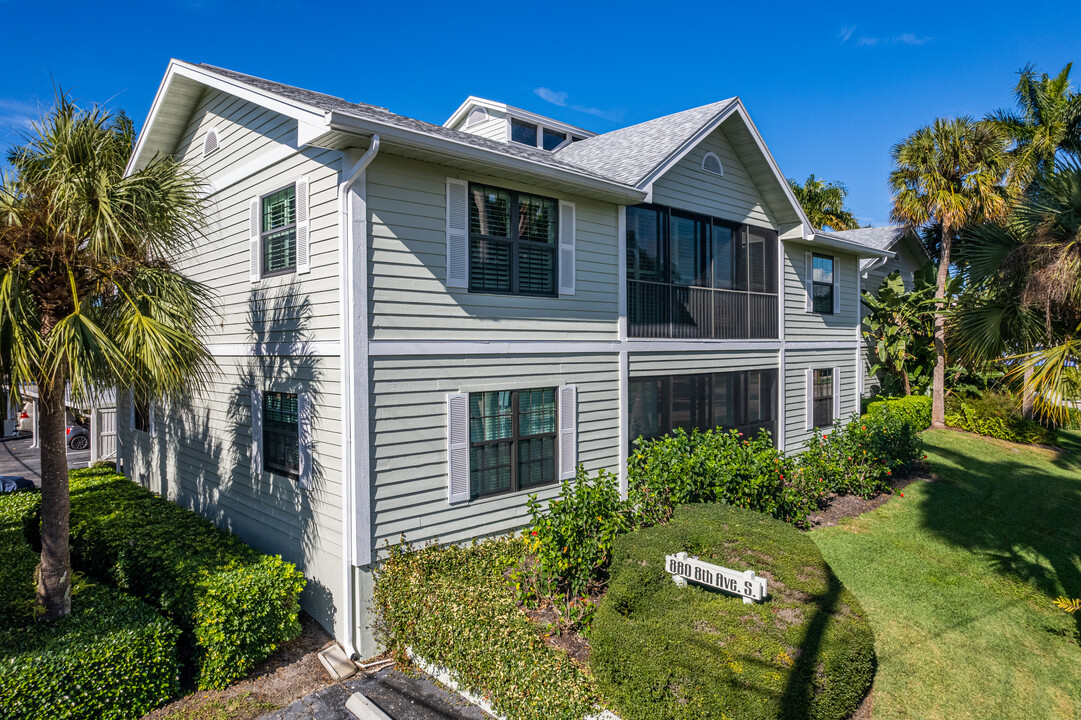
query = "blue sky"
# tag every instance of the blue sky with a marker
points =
(831, 86)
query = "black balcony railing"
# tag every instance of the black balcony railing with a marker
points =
(661, 310)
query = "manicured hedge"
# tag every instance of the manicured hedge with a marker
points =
(234, 604)
(112, 657)
(914, 408)
(660, 651)
(454, 607)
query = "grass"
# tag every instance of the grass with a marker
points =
(241, 706)
(958, 578)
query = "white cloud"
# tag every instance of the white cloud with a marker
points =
(556, 98)
(17, 116)
(903, 39)
(846, 33)
(912, 39)
(560, 98)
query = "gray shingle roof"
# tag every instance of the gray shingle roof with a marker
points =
(628, 155)
(879, 238)
(375, 113)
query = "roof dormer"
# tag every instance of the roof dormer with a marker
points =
(504, 123)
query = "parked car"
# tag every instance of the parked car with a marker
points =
(78, 437)
(26, 422)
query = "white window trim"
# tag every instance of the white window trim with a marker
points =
(304, 435)
(151, 427)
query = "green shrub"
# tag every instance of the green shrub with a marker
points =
(916, 409)
(234, 604)
(571, 538)
(17, 559)
(453, 607)
(660, 651)
(713, 466)
(997, 415)
(113, 657)
(859, 458)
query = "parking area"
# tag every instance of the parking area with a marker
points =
(18, 458)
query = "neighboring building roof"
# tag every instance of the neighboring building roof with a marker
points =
(631, 154)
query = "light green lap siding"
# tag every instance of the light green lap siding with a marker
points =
(409, 437)
(733, 196)
(200, 457)
(682, 363)
(408, 297)
(284, 308)
(494, 128)
(795, 382)
(803, 325)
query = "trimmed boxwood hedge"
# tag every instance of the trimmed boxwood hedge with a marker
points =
(661, 651)
(112, 657)
(234, 604)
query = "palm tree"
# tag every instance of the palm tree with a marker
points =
(824, 203)
(1046, 124)
(89, 298)
(948, 173)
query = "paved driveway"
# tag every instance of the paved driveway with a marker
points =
(18, 458)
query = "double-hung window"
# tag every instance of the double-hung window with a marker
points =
(693, 276)
(281, 434)
(512, 242)
(822, 283)
(512, 440)
(822, 397)
(278, 231)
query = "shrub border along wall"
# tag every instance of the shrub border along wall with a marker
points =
(112, 658)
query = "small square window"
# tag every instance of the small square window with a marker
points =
(141, 414)
(523, 132)
(281, 434)
(553, 139)
(278, 231)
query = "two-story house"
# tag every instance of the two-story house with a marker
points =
(421, 325)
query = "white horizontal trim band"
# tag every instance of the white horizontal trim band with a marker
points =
(301, 349)
(557, 347)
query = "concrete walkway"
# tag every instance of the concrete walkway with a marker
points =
(19, 459)
(401, 696)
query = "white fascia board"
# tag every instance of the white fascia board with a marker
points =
(301, 112)
(736, 107)
(834, 243)
(470, 102)
(344, 122)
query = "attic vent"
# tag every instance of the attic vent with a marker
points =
(210, 142)
(476, 115)
(712, 164)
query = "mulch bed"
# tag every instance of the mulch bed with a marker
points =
(289, 674)
(839, 507)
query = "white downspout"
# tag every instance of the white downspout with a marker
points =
(348, 338)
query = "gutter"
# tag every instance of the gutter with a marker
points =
(350, 436)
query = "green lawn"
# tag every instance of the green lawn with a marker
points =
(958, 578)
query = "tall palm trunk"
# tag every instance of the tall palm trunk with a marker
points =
(938, 387)
(1028, 397)
(54, 572)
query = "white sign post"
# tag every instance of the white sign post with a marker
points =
(745, 584)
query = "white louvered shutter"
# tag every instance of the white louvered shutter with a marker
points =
(810, 399)
(808, 280)
(303, 240)
(254, 256)
(256, 432)
(304, 436)
(568, 431)
(836, 286)
(458, 447)
(457, 233)
(837, 397)
(566, 248)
